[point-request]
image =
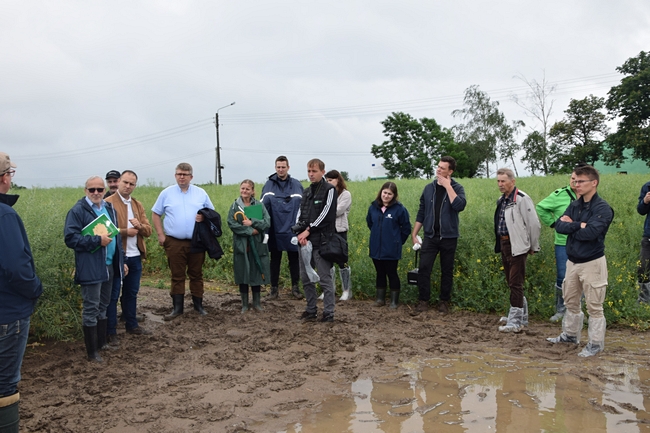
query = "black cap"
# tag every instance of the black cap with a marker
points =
(113, 174)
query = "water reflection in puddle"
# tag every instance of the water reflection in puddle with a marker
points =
(490, 393)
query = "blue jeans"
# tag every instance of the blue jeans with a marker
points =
(111, 310)
(13, 341)
(130, 289)
(560, 264)
(96, 298)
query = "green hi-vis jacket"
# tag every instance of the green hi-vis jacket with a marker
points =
(552, 208)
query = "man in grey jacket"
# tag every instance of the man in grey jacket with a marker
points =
(517, 229)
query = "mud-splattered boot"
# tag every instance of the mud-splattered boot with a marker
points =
(381, 298)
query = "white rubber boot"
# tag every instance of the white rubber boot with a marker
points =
(344, 273)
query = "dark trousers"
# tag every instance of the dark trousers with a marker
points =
(130, 289)
(243, 288)
(515, 271)
(181, 261)
(430, 249)
(644, 266)
(387, 269)
(294, 267)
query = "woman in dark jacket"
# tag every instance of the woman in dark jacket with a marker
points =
(250, 253)
(389, 224)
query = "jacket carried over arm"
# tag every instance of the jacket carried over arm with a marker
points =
(204, 236)
(90, 267)
(522, 223)
(19, 285)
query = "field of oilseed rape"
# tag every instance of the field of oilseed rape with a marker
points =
(479, 284)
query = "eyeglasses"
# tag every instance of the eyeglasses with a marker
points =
(580, 181)
(9, 172)
(183, 174)
(92, 190)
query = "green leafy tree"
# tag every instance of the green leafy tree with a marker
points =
(580, 135)
(485, 131)
(629, 102)
(413, 146)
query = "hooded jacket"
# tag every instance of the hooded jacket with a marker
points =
(19, 285)
(282, 201)
(90, 268)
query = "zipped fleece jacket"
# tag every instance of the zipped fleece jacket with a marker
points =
(90, 268)
(282, 201)
(644, 209)
(586, 244)
(318, 210)
(388, 230)
(123, 220)
(552, 208)
(522, 223)
(448, 211)
(19, 285)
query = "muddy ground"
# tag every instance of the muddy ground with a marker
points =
(256, 372)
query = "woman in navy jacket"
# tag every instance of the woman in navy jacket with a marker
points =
(389, 224)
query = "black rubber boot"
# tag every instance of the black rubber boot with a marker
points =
(295, 291)
(9, 414)
(178, 301)
(90, 338)
(275, 293)
(102, 343)
(394, 299)
(256, 301)
(198, 305)
(244, 301)
(381, 298)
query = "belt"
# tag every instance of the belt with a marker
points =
(505, 238)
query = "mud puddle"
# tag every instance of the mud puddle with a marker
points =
(493, 392)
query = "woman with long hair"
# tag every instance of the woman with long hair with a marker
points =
(390, 227)
(343, 204)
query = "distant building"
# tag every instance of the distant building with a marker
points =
(628, 167)
(378, 171)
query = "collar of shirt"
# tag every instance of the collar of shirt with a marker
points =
(94, 206)
(124, 200)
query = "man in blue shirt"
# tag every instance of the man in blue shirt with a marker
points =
(98, 258)
(179, 204)
(19, 291)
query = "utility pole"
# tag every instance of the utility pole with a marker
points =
(218, 166)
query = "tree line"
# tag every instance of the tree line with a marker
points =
(413, 146)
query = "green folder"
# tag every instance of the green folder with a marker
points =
(254, 211)
(100, 225)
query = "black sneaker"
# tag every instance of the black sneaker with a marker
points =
(327, 318)
(308, 317)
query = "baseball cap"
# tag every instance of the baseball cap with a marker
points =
(5, 163)
(113, 174)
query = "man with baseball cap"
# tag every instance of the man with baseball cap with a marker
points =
(19, 291)
(112, 181)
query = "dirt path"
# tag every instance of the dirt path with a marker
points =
(256, 372)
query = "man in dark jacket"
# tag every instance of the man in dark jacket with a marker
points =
(440, 203)
(643, 208)
(98, 258)
(281, 195)
(316, 222)
(19, 291)
(586, 221)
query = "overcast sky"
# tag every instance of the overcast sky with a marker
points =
(87, 87)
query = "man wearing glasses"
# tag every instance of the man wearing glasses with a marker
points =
(179, 204)
(98, 258)
(586, 222)
(19, 291)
